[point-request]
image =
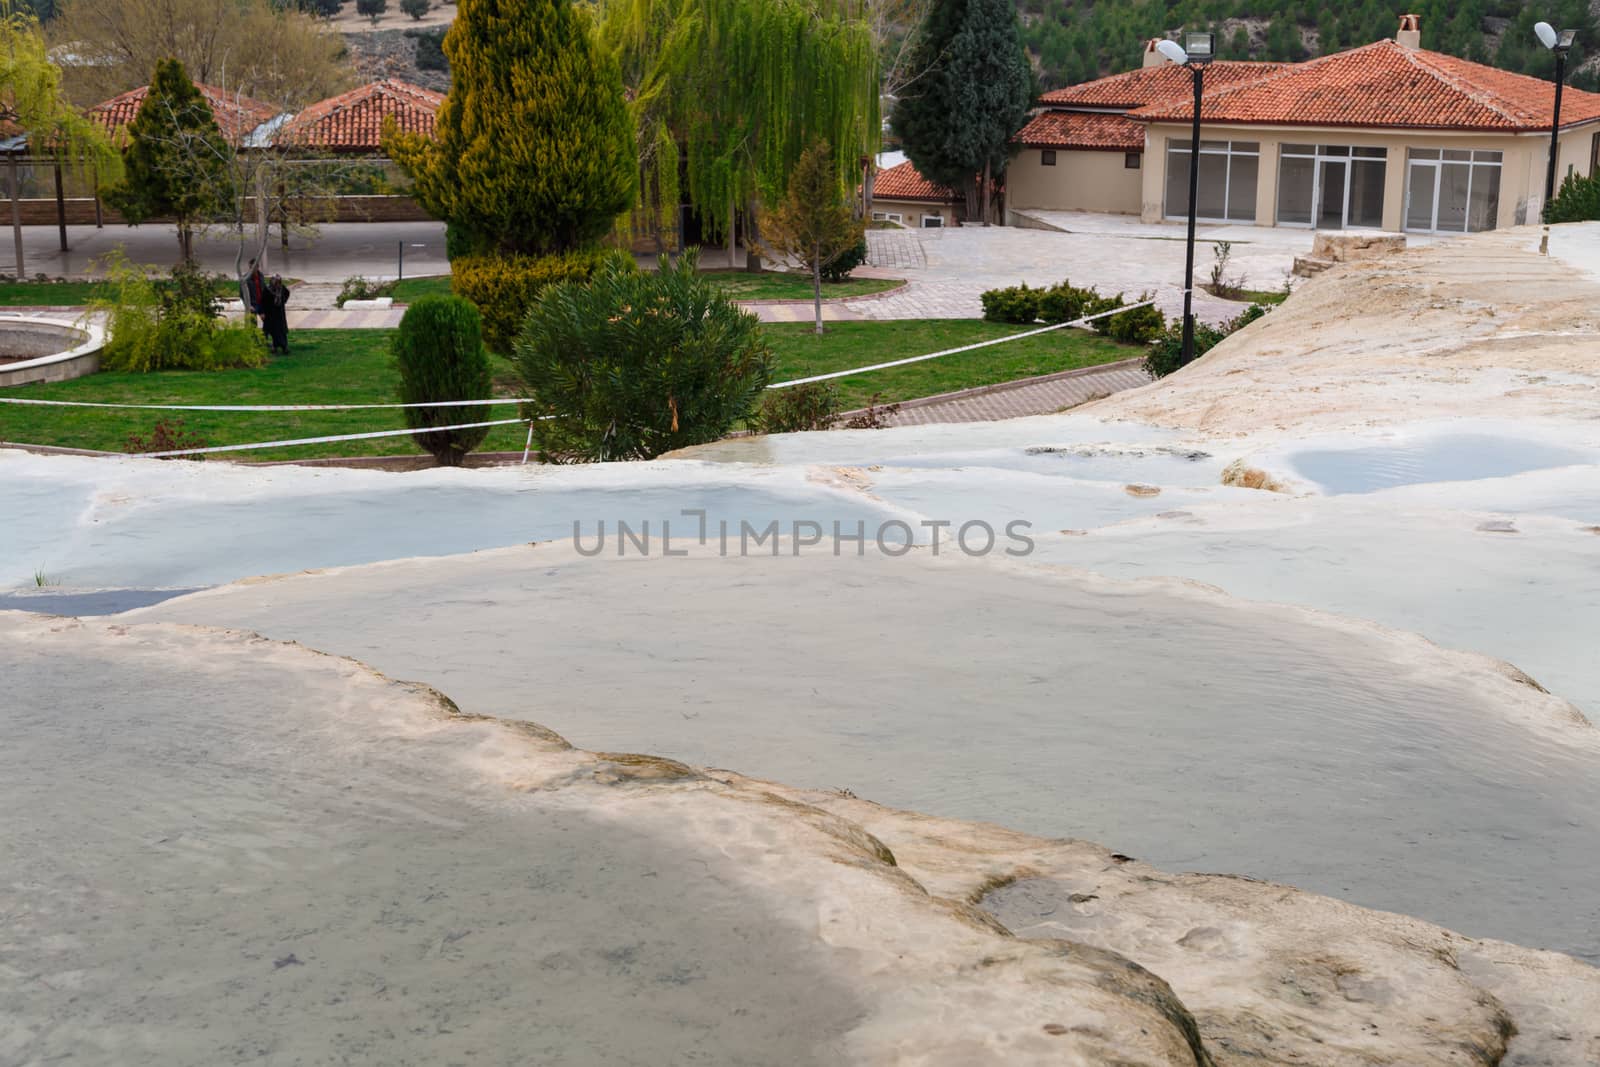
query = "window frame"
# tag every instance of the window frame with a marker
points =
(1347, 154)
(1047, 157)
(1436, 160)
(932, 222)
(1229, 153)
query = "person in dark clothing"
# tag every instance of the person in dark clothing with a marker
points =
(252, 291)
(274, 316)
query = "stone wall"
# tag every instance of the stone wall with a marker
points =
(80, 211)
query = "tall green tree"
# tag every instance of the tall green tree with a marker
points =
(814, 224)
(176, 159)
(534, 149)
(957, 120)
(31, 100)
(740, 88)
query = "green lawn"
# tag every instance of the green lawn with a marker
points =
(50, 294)
(353, 366)
(739, 284)
(324, 367)
(802, 353)
(75, 294)
(408, 289)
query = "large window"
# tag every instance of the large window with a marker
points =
(1331, 187)
(1228, 172)
(1452, 190)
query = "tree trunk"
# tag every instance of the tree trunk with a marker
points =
(16, 216)
(752, 238)
(816, 283)
(732, 241)
(61, 208)
(986, 192)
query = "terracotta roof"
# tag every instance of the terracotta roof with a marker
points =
(1150, 85)
(1388, 85)
(1082, 129)
(902, 182)
(353, 121)
(237, 116)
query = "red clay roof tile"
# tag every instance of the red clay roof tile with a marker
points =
(1089, 130)
(1387, 85)
(353, 121)
(237, 116)
(902, 182)
(1151, 85)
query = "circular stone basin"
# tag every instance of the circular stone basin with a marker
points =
(36, 348)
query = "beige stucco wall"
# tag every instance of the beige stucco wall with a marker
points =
(1080, 181)
(911, 211)
(1521, 176)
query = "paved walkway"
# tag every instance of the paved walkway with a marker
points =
(1043, 395)
(1121, 255)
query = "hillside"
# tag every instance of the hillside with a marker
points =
(1075, 40)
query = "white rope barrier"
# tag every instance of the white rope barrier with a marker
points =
(264, 407)
(963, 348)
(332, 438)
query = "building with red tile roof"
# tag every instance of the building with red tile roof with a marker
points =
(1385, 136)
(901, 194)
(353, 121)
(238, 116)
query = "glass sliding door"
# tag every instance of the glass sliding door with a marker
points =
(1297, 165)
(1228, 174)
(1452, 190)
(1368, 170)
(1331, 187)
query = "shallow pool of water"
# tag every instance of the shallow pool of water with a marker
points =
(1448, 458)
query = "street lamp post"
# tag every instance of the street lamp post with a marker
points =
(1559, 42)
(1195, 52)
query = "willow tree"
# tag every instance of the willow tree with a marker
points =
(32, 104)
(741, 88)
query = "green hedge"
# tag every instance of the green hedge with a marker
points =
(505, 287)
(438, 351)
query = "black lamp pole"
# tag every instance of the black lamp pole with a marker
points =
(1555, 133)
(1194, 192)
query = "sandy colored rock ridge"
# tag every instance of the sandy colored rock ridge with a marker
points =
(337, 865)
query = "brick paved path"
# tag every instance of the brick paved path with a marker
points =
(1043, 395)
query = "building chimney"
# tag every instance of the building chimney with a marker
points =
(1152, 54)
(1410, 35)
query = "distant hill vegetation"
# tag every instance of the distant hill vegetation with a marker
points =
(1075, 40)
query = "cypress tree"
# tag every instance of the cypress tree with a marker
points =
(956, 122)
(534, 152)
(176, 160)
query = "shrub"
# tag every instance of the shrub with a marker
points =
(415, 8)
(372, 9)
(813, 406)
(1063, 302)
(1139, 326)
(358, 288)
(1096, 305)
(874, 416)
(1166, 353)
(1016, 304)
(504, 288)
(190, 290)
(429, 54)
(839, 270)
(166, 325)
(439, 353)
(1578, 200)
(165, 436)
(633, 365)
(326, 8)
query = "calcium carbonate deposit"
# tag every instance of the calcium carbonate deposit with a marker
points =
(295, 789)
